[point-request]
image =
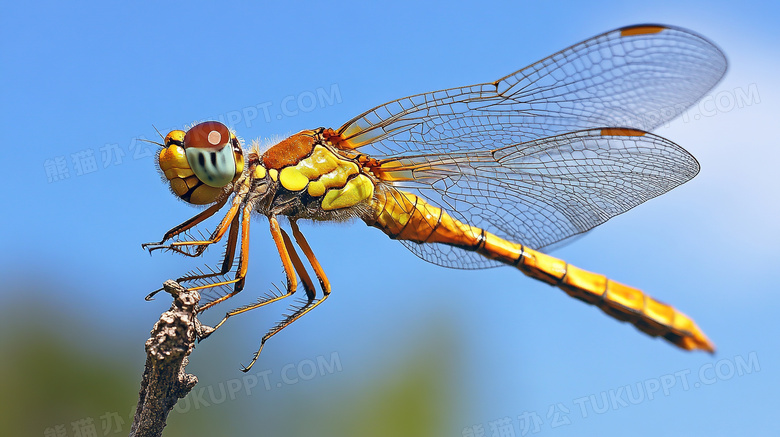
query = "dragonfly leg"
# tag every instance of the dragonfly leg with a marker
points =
(219, 232)
(308, 284)
(228, 262)
(310, 304)
(291, 262)
(189, 224)
(304, 245)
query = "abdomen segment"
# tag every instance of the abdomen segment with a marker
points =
(405, 216)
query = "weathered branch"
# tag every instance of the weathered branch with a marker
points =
(164, 380)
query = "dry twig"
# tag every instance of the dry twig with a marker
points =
(164, 379)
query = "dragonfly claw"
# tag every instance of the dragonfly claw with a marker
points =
(204, 331)
(150, 296)
(252, 363)
(151, 247)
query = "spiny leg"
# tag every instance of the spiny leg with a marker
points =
(194, 221)
(284, 248)
(304, 245)
(218, 233)
(310, 305)
(227, 262)
(242, 262)
(308, 285)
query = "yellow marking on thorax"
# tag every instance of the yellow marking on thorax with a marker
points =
(260, 172)
(292, 179)
(274, 173)
(338, 177)
(356, 190)
(316, 189)
(324, 173)
(321, 161)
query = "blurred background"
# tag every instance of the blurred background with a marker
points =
(403, 347)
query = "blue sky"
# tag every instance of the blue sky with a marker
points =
(88, 79)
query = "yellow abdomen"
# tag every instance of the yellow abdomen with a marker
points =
(405, 216)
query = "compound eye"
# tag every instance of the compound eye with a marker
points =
(210, 154)
(207, 135)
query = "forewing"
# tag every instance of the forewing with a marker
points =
(639, 76)
(543, 191)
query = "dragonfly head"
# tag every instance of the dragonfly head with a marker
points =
(199, 163)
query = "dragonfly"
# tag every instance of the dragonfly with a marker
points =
(469, 177)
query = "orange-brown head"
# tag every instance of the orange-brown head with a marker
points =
(199, 163)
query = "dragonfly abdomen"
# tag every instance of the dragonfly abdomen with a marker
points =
(618, 300)
(405, 216)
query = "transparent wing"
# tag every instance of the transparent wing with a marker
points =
(541, 192)
(639, 76)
